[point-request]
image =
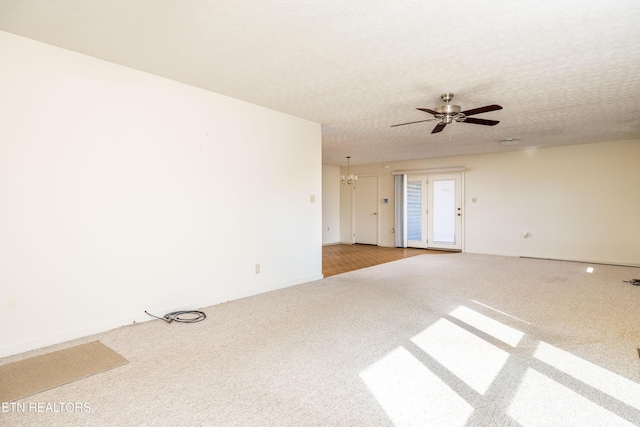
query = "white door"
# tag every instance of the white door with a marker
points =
(445, 211)
(366, 210)
(434, 211)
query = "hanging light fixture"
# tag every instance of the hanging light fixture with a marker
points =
(349, 179)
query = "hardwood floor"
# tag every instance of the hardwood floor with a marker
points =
(337, 259)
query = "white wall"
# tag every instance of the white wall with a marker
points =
(122, 192)
(330, 204)
(579, 202)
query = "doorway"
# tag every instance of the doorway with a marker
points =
(365, 227)
(434, 211)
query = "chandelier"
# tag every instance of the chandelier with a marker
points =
(349, 179)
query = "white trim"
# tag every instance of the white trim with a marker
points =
(428, 171)
(84, 332)
(353, 214)
(464, 210)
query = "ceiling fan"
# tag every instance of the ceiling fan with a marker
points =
(447, 113)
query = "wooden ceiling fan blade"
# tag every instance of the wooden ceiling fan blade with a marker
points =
(426, 110)
(480, 121)
(488, 108)
(410, 123)
(438, 127)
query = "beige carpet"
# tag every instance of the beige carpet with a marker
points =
(447, 340)
(39, 373)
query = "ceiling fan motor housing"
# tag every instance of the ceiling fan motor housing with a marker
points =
(448, 111)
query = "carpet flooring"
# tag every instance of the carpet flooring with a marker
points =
(447, 340)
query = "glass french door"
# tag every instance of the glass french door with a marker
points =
(417, 186)
(434, 211)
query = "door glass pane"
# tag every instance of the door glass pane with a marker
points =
(444, 211)
(414, 210)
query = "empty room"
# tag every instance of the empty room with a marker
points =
(175, 175)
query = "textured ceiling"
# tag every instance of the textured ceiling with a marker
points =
(565, 72)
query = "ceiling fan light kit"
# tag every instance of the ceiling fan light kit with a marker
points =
(448, 112)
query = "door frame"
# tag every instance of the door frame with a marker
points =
(461, 211)
(353, 207)
(446, 170)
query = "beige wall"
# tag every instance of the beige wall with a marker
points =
(122, 192)
(579, 202)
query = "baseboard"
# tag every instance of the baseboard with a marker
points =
(252, 292)
(143, 317)
(583, 261)
(68, 336)
(613, 264)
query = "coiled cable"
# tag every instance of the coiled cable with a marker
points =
(195, 316)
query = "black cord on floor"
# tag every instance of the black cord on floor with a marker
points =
(634, 282)
(196, 316)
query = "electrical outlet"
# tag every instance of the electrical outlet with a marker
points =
(257, 268)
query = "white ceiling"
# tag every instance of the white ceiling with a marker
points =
(565, 72)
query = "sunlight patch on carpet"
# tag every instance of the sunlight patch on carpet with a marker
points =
(599, 378)
(498, 330)
(411, 394)
(540, 400)
(469, 357)
(498, 311)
